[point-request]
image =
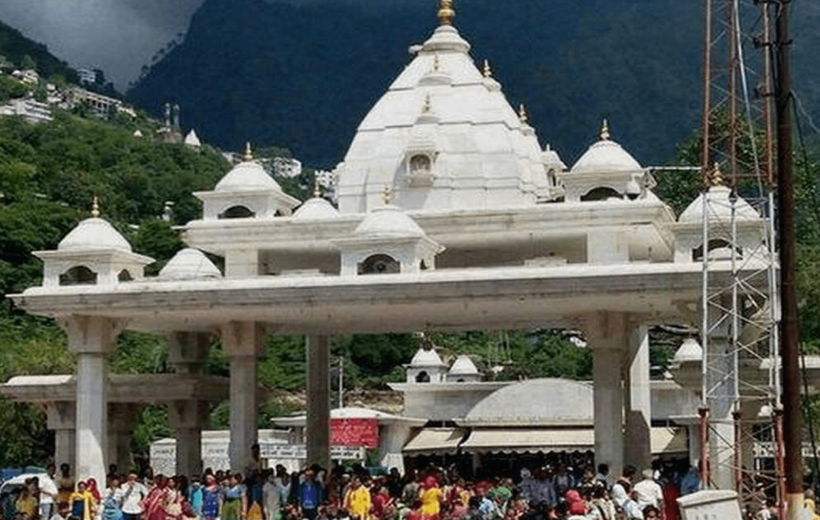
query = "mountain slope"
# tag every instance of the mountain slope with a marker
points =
(304, 75)
(15, 47)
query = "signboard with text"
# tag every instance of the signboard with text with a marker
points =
(354, 432)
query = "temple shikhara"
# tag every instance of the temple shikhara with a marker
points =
(449, 214)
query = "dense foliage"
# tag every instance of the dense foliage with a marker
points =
(48, 175)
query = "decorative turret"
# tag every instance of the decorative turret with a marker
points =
(316, 208)
(426, 365)
(463, 370)
(606, 171)
(387, 241)
(717, 205)
(247, 191)
(93, 253)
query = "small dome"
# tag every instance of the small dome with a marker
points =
(463, 366)
(426, 358)
(719, 207)
(247, 176)
(93, 233)
(690, 350)
(316, 208)
(189, 264)
(388, 222)
(606, 156)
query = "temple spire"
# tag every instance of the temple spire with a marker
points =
(522, 113)
(317, 189)
(716, 178)
(605, 135)
(446, 13)
(95, 207)
(488, 72)
(248, 156)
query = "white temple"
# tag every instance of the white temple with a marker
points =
(451, 216)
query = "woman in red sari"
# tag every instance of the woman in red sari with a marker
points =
(152, 506)
(91, 486)
(174, 502)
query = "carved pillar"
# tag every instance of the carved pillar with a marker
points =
(60, 419)
(187, 418)
(638, 402)
(606, 333)
(318, 400)
(242, 343)
(92, 338)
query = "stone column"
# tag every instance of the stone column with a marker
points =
(122, 418)
(187, 418)
(638, 403)
(606, 336)
(188, 351)
(720, 384)
(242, 341)
(60, 419)
(92, 339)
(318, 400)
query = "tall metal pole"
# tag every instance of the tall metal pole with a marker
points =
(792, 430)
(705, 158)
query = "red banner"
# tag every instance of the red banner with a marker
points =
(354, 432)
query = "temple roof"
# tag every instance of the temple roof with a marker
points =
(482, 154)
(606, 156)
(719, 207)
(93, 233)
(247, 176)
(426, 358)
(189, 264)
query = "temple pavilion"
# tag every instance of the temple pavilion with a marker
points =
(450, 216)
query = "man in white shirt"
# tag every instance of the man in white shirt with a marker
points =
(132, 493)
(648, 492)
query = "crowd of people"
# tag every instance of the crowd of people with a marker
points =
(261, 493)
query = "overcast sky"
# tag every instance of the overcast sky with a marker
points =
(118, 36)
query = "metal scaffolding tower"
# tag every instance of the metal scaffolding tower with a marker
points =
(740, 391)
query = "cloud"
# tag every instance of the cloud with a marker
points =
(118, 36)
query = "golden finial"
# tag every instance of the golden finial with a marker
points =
(488, 73)
(95, 207)
(716, 177)
(317, 189)
(522, 113)
(605, 135)
(446, 13)
(248, 156)
(387, 195)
